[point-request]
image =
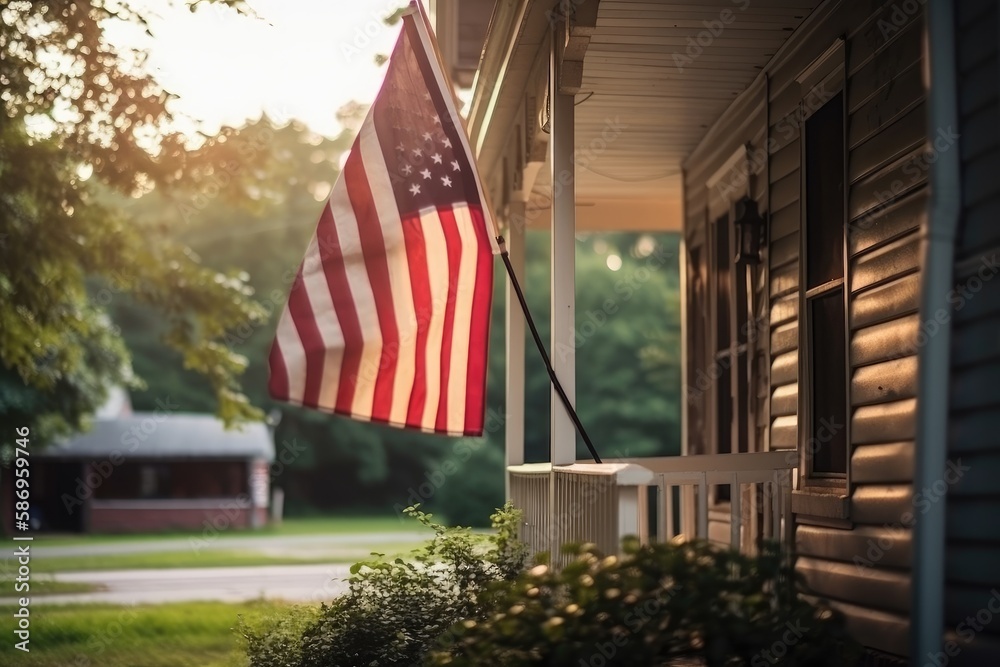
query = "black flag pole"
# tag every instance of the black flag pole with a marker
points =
(545, 355)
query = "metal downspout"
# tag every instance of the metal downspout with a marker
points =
(937, 278)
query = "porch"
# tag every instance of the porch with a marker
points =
(582, 117)
(661, 498)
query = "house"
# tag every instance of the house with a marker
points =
(150, 471)
(834, 168)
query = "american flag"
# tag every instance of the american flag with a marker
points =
(388, 317)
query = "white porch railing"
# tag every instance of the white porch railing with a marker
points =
(602, 503)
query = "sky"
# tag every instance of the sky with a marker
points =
(299, 59)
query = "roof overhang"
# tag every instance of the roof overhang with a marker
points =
(655, 77)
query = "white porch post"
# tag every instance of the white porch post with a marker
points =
(563, 352)
(514, 419)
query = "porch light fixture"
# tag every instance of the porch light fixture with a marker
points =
(750, 231)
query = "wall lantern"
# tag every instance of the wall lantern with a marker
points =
(749, 230)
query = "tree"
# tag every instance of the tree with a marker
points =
(82, 125)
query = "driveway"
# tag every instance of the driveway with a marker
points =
(299, 583)
(277, 545)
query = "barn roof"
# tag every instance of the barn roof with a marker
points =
(158, 435)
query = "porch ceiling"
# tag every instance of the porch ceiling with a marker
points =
(656, 76)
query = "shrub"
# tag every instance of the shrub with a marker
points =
(394, 612)
(276, 640)
(656, 604)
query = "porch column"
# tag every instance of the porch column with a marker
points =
(563, 304)
(514, 419)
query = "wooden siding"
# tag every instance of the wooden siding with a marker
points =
(973, 548)
(863, 566)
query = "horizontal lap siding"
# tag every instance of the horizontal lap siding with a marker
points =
(973, 547)
(865, 570)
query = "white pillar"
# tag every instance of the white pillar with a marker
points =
(514, 419)
(563, 313)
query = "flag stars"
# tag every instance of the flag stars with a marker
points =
(437, 158)
(401, 147)
(427, 136)
(427, 96)
(446, 181)
(407, 169)
(437, 119)
(417, 152)
(446, 142)
(426, 173)
(454, 166)
(415, 189)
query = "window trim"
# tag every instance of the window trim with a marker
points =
(821, 494)
(719, 207)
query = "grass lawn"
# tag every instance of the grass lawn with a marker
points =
(213, 558)
(195, 634)
(342, 525)
(45, 586)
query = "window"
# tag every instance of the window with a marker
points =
(732, 383)
(826, 407)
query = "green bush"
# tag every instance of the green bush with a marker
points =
(394, 612)
(657, 604)
(276, 640)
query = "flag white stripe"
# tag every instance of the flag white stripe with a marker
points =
(464, 293)
(294, 355)
(438, 272)
(399, 271)
(318, 290)
(356, 270)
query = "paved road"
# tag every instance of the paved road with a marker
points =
(299, 583)
(270, 544)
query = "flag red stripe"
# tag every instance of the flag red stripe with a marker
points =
(277, 383)
(416, 253)
(343, 305)
(312, 341)
(348, 341)
(454, 243)
(475, 387)
(373, 250)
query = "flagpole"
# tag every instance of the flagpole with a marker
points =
(545, 355)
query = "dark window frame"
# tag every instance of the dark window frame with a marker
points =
(827, 77)
(730, 357)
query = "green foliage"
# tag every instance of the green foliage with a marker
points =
(134, 252)
(81, 127)
(394, 612)
(654, 605)
(275, 639)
